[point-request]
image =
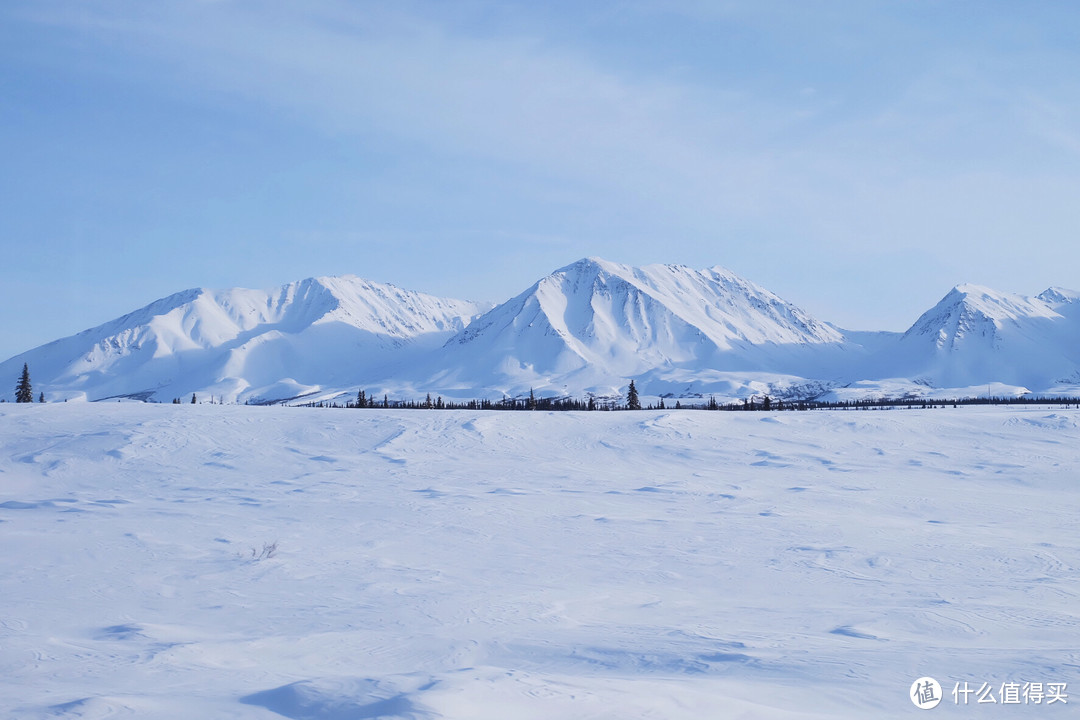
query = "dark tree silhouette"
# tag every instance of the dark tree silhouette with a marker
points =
(632, 401)
(24, 392)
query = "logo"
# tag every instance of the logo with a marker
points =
(925, 693)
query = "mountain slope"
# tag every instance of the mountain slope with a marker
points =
(976, 335)
(242, 344)
(599, 323)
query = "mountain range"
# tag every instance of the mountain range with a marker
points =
(587, 328)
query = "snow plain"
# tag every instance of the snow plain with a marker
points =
(470, 565)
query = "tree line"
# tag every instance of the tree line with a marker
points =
(24, 393)
(762, 403)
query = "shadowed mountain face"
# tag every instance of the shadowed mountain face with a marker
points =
(976, 335)
(588, 327)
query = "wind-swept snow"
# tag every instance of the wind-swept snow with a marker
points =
(482, 566)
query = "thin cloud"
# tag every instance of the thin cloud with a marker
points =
(920, 134)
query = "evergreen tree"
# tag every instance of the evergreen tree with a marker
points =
(532, 400)
(24, 392)
(41, 397)
(632, 401)
(192, 398)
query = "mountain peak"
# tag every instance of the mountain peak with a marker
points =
(976, 333)
(611, 320)
(235, 343)
(592, 264)
(1056, 296)
(973, 290)
(984, 303)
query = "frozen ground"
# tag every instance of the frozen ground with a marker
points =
(531, 566)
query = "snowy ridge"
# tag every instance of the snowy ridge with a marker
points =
(595, 321)
(971, 311)
(588, 327)
(976, 335)
(242, 344)
(1058, 297)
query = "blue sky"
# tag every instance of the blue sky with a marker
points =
(857, 158)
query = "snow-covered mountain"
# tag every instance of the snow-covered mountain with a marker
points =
(1061, 298)
(595, 324)
(976, 335)
(256, 345)
(588, 327)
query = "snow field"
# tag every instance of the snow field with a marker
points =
(526, 565)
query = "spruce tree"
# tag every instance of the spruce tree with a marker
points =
(24, 392)
(41, 398)
(632, 401)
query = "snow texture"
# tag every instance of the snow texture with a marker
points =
(475, 566)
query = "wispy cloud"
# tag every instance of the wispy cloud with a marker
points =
(526, 100)
(845, 135)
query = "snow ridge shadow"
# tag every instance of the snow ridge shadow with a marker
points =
(341, 699)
